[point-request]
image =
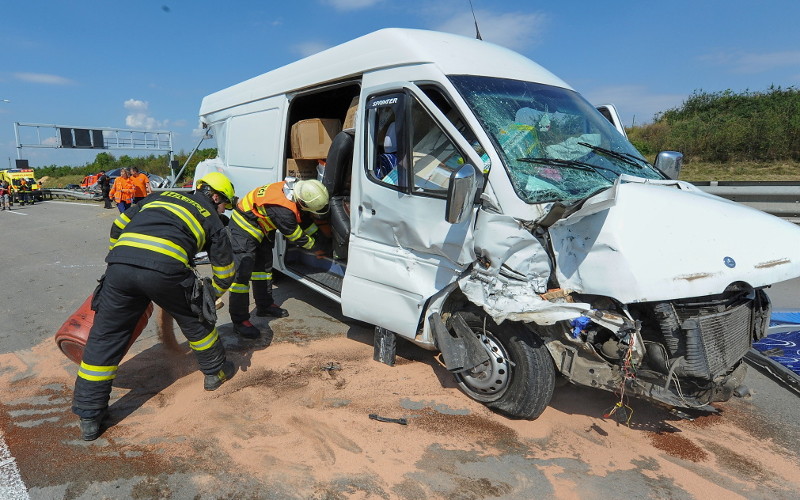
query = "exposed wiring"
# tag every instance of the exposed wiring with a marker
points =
(628, 373)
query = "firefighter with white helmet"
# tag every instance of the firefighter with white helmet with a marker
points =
(274, 207)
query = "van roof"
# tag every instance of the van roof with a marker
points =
(453, 54)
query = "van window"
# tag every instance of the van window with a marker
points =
(386, 135)
(408, 150)
(555, 146)
(434, 155)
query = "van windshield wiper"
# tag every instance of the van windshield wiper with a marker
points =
(574, 164)
(623, 157)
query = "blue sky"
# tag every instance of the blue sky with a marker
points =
(146, 64)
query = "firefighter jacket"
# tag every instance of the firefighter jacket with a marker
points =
(266, 209)
(122, 190)
(166, 230)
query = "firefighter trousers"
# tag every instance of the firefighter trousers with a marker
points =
(253, 260)
(119, 302)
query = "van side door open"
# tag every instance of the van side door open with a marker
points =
(402, 250)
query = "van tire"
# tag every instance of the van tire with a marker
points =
(524, 388)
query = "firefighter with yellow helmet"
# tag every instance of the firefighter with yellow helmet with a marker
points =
(153, 245)
(279, 206)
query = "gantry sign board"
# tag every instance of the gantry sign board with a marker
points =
(39, 135)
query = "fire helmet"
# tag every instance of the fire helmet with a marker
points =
(311, 195)
(219, 183)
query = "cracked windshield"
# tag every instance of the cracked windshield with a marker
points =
(554, 144)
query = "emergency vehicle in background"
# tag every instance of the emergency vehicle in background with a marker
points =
(14, 176)
(518, 231)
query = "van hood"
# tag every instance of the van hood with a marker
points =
(645, 240)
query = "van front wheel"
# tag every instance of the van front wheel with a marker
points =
(518, 379)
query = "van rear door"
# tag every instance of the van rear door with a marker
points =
(401, 249)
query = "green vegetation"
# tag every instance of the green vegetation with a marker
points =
(159, 165)
(730, 136)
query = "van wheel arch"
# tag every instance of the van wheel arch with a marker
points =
(519, 379)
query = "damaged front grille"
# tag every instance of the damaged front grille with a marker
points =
(710, 337)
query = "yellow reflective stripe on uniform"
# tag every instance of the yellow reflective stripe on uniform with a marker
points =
(217, 288)
(260, 276)
(296, 234)
(95, 373)
(122, 221)
(309, 243)
(112, 242)
(267, 224)
(223, 272)
(239, 288)
(206, 342)
(184, 215)
(242, 223)
(154, 244)
(311, 229)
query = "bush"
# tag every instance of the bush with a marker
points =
(726, 126)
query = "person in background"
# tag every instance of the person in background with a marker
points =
(5, 194)
(105, 187)
(153, 245)
(24, 192)
(141, 185)
(122, 191)
(259, 213)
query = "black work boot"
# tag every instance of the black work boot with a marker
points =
(274, 310)
(212, 382)
(90, 427)
(247, 330)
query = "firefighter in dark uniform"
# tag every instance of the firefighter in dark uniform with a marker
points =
(153, 244)
(261, 212)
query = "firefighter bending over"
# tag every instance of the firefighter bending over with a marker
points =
(257, 216)
(153, 244)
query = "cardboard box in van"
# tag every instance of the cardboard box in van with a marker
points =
(302, 169)
(312, 138)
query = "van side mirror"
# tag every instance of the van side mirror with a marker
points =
(670, 163)
(461, 193)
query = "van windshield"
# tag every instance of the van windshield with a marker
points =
(555, 145)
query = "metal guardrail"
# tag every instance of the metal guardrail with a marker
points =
(71, 194)
(779, 198)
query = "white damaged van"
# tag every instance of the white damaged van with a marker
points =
(482, 208)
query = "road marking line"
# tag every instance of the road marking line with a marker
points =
(11, 485)
(16, 212)
(72, 203)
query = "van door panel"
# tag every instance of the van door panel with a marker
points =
(402, 251)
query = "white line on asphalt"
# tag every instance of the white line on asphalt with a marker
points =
(11, 485)
(72, 203)
(16, 212)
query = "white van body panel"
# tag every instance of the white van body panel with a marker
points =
(250, 140)
(386, 48)
(665, 240)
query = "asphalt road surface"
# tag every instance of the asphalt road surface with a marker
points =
(293, 422)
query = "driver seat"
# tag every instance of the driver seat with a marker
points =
(337, 168)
